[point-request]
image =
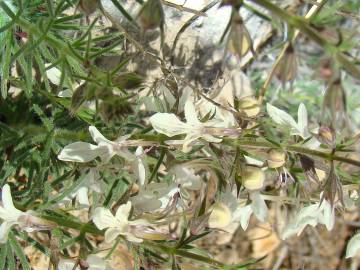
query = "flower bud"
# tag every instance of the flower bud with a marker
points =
(327, 136)
(89, 6)
(253, 178)
(134, 189)
(334, 105)
(250, 106)
(220, 216)
(239, 41)
(151, 15)
(149, 234)
(320, 174)
(287, 67)
(327, 69)
(78, 98)
(276, 158)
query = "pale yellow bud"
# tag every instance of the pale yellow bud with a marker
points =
(250, 106)
(220, 216)
(321, 174)
(135, 189)
(153, 235)
(276, 158)
(253, 178)
(239, 40)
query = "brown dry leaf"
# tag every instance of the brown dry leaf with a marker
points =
(38, 260)
(264, 241)
(121, 258)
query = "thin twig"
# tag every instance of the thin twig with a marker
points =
(186, 9)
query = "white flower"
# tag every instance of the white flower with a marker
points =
(67, 93)
(91, 182)
(10, 215)
(53, 74)
(105, 149)
(185, 177)
(257, 207)
(94, 263)
(225, 97)
(118, 224)
(353, 246)
(283, 118)
(297, 128)
(230, 210)
(170, 125)
(140, 166)
(154, 197)
(311, 215)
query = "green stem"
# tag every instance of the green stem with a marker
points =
(298, 149)
(185, 254)
(66, 222)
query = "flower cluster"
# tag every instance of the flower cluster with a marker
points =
(179, 191)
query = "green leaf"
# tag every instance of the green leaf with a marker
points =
(3, 252)
(18, 250)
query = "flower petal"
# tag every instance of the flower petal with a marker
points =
(97, 136)
(8, 212)
(188, 141)
(7, 199)
(53, 74)
(122, 214)
(168, 124)
(82, 152)
(111, 234)
(103, 218)
(353, 247)
(132, 238)
(145, 204)
(4, 231)
(328, 216)
(303, 121)
(244, 214)
(82, 196)
(220, 216)
(211, 138)
(258, 206)
(140, 166)
(281, 117)
(96, 262)
(190, 113)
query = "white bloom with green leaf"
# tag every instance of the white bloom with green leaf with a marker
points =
(169, 125)
(353, 246)
(105, 149)
(230, 210)
(118, 224)
(154, 197)
(90, 183)
(140, 167)
(185, 177)
(10, 215)
(299, 128)
(312, 215)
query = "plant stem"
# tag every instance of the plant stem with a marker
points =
(298, 149)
